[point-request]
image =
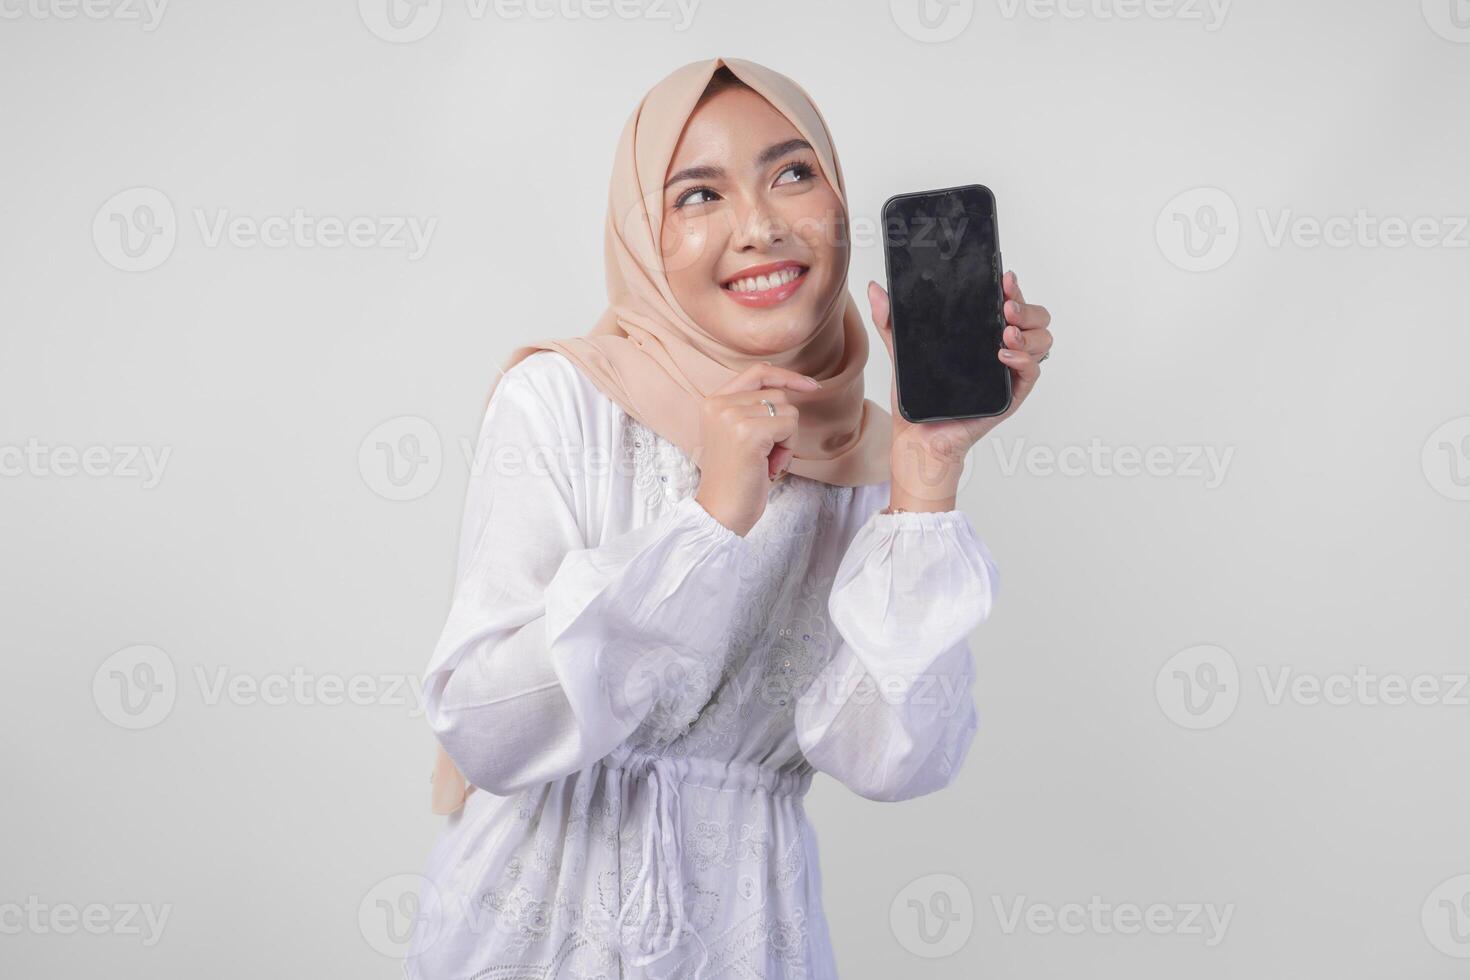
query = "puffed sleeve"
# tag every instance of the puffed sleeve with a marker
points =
(891, 714)
(553, 646)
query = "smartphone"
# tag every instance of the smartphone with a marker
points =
(942, 251)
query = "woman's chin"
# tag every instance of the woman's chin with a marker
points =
(760, 332)
(763, 336)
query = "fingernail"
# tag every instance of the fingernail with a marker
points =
(812, 380)
(1008, 354)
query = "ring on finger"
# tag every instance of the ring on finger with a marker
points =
(770, 409)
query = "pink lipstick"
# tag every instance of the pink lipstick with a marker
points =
(765, 285)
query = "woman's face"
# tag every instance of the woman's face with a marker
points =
(754, 238)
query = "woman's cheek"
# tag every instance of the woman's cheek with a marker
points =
(685, 245)
(824, 233)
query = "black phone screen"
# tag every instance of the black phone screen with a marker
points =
(944, 278)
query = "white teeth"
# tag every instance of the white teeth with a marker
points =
(755, 284)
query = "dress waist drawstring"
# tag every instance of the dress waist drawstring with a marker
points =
(658, 888)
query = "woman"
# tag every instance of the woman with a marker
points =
(697, 566)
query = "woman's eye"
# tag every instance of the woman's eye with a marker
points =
(802, 171)
(692, 196)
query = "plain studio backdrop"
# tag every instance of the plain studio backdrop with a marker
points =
(260, 262)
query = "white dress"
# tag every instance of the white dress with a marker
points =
(641, 697)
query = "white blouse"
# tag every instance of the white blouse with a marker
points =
(641, 697)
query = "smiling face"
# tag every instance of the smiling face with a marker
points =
(754, 237)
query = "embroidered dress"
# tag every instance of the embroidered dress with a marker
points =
(641, 697)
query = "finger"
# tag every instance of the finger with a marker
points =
(754, 409)
(878, 300)
(777, 395)
(882, 313)
(1027, 316)
(779, 459)
(774, 435)
(1012, 287)
(1036, 342)
(760, 429)
(1025, 369)
(767, 375)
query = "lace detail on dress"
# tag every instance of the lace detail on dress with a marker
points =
(683, 689)
(786, 629)
(781, 625)
(662, 472)
(586, 950)
(593, 821)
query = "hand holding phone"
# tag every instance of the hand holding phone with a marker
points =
(971, 347)
(942, 250)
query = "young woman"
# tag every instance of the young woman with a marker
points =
(696, 566)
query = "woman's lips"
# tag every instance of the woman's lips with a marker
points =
(771, 296)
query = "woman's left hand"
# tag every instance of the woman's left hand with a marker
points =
(928, 457)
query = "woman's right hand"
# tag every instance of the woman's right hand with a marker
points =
(743, 446)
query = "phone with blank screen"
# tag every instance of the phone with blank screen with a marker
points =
(942, 251)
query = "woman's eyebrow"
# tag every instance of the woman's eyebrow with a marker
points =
(767, 156)
(776, 151)
(695, 173)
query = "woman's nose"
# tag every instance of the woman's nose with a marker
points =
(757, 227)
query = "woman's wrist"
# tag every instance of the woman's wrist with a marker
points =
(899, 503)
(921, 481)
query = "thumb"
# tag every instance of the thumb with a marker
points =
(779, 459)
(1023, 379)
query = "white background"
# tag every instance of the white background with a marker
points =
(1334, 376)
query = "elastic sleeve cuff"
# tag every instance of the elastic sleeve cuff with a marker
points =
(693, 511)
(910, 587)
(922, 520)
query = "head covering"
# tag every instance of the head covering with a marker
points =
(647, 355)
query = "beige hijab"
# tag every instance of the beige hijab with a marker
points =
(655, 362)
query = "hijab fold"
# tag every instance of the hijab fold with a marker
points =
(647, 355)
